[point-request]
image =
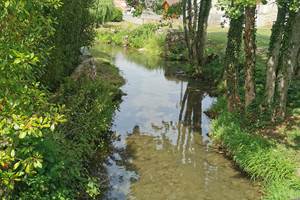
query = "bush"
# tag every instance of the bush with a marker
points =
(117, 15)
(174, 10)
(74, 29)
(138, 10)
(26, 115)
(39, 158)
(102, 11)
(138, 36)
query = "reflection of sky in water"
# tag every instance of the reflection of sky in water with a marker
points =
(153, 104)
(151, 99)
(173, 159)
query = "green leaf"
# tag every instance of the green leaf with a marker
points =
(12, 153)
(16, 165)
(52, 127)
(16, 127)
(22, 135)
(37, 164)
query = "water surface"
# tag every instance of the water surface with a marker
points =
(164, 150)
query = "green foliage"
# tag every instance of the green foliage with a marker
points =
(155, 45)
(281, 190)
(174, 10)
(262, 159)
(40, 40)
(74, 29)
(105, 11)
(138, 5)
(158, 8)
(117, 15)
(27, 117)
(137, 38)
(143, 36)
(138, 10)
(234, 9)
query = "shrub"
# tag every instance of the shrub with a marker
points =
(26, 115)
(74, 29)
(103, 11)
(138, 10)
(117, 15)
(138, 36)
(39, 41)
(155, 45)
(174, 10)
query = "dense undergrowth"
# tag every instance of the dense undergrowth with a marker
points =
(89, 105)
(46, 142)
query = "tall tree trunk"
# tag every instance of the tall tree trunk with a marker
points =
(192, 31)
(195, 18)
(185, 27)
(274, 53)
(232, 56)
(297, 71)
(289, 60)
(250, 54)
(205, 8)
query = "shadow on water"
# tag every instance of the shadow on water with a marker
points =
(163, 151)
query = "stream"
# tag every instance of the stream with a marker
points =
(163, 151)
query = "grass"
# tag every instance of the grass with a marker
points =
(143, 37)
(265, 160)
(267, 152)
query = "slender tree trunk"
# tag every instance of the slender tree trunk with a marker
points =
(195, 23)
(202, 30)
(185, 26)
(289, 60)
(195, 18)
(297, 71)
(274, 54)
(232, 56)
(250, 54)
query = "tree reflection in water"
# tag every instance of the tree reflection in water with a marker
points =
(191, 107)
(185, 135)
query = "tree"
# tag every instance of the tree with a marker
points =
(274, 52)
(289, 57)
(250, 53)
(283, 57)
(195, 19)
(232, 57)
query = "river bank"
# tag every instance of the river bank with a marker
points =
(91, 96)
(266, 160)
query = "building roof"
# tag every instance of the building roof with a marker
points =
(171, 2)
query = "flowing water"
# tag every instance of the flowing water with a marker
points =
(163, 151)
